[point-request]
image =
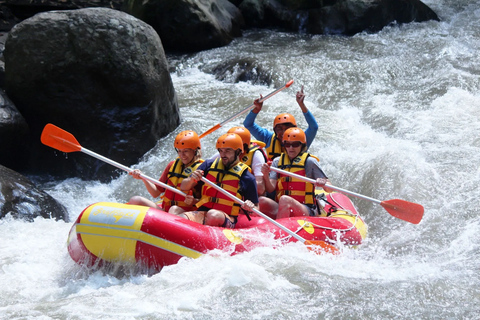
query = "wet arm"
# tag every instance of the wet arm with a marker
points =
(269, 181)
(190, 182)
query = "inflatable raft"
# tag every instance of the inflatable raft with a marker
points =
(106, 233)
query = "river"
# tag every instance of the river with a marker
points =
(399, 116)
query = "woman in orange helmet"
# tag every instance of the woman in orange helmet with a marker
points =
(228, 172)
(294, 197)
(281, 123)
(188, 147)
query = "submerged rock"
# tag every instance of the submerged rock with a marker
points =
(20, 198)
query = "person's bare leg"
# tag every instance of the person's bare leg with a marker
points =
(176, 210)
(215, 218)
(195, 216)
(289, 207)
(268, 207)
(141, 201)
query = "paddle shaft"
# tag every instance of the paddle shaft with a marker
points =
(260, 100)
(327, 185)
(401, 209)
(217, 126)
(261, 214)
(125, 168)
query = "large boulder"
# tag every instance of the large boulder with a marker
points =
(13, 134)
(20, 198)
(98, 73)
(190, 25)
(345, 17)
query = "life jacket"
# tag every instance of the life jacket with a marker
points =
(176, 174)
(228, 180)
(248, 157)
(275, 148)
(303, 192)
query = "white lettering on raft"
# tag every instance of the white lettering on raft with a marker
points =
(116, 216)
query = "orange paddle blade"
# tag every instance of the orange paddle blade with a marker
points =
(320, 247)
(401, 209)
(206, 133)
(59, 139)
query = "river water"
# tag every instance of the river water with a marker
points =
(399, 116)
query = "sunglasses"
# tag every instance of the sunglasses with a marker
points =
(295, 144)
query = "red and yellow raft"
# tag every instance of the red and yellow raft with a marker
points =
(134, 235)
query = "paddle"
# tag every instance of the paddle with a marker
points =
(401, 209)
(64, 141)
(212, 129)
(325, 247)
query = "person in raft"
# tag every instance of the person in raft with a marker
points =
(281, 123)
(253, 156)
(294, 197)
(215, 208)
(188, 147)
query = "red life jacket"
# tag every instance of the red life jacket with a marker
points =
(176, 174)
(303, 192)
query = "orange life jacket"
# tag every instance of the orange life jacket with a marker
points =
(176, 174)
(229, 180)
(302, 191)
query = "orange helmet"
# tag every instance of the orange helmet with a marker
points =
(187, 140)
(294, 134)
(284, 118)
(230, 140)
(243, 133)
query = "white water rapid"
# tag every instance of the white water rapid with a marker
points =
(399, 116)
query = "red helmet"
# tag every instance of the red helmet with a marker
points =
(243, 133)
(294, 134)
(284, 118)
(230, 140)
(187, 140)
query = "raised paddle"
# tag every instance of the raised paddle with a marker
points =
(325, 247)
(401, 209)
(212, 129)
(64, 141)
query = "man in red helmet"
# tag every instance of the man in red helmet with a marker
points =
(228, 172)
(281, 123)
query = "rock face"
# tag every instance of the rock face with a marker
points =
(193, 25)
(20, 198)
(190, 25)
(346, 17)
(98, 73)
